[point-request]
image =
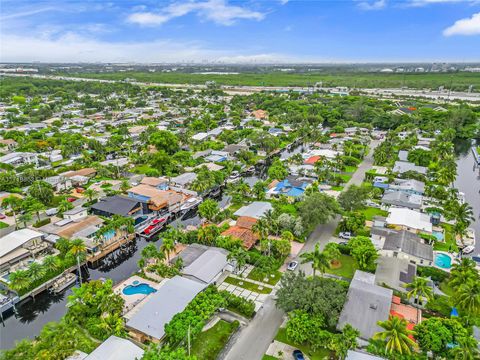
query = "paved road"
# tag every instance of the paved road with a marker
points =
(253, 340)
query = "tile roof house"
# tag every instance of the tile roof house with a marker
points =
(242, 230)
(366, 304)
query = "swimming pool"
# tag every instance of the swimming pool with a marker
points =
(443, 261)
(438, 235)
(136, 289)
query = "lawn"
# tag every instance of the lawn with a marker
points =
(446, 288)
(449, 240)
(272, 280)
(208, 344)
(350, 169)
(317, 355)
(371, 212)
(347, 268)
(345, 178)
(3, 225)
(337, 188)
(269, 357)
(248, 285)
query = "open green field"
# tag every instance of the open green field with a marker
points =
(458, 81)
(208, 344)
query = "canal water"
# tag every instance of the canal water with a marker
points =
(468, 182)
(32, 315)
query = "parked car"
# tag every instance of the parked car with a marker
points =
(372, 204)
(2, 216)
(298, 355)
(347, 235)
(468, 249)
(71, 199)
(292, 265)
(51, 212)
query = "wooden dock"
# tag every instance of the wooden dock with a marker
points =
(109, 248)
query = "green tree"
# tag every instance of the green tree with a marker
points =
(362, 250)
(167, 247)
(418, 289)
(318, 208)
(78, 251)
(35, 207)
(320, 260)
(20, 280)
(332, 253)
(42, 191)
(240, 256)
(467, 349)
(396, 336)
(165, 140)
(258, 190)
(467, 298)
(353, 198)
(209, 210)
(277, 171)
(36, 271)
(90, 194)
(25, 218)
(463, 272)
(13, 203)
(64, 205)
(346, 340)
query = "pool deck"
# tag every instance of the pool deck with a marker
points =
(132, 300)
(452, 256)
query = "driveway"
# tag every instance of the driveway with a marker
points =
(254, 340)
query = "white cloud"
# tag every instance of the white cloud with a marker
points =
(468, 26)
(374, 5)
(218, 11)
(72, 47)
(28, 12)
(419, 3)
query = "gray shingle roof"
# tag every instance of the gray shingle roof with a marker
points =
(400, 198)
(408, 243)
(117, 205)
(170, 299)
(366, 304)
(208, 265)
(404, 166)
(256, 209)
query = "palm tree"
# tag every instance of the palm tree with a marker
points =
(240, 256)
(36, 271)
(36, 206)
(51, 263)
(167, 247)
(319, 260)
(468, 297)
(467, 349)
(78, 249)
(13, 203)
(396, 336)
(464, 214)
(25, 217)
(463, 272)
(64, 205)
(332, 252)
(90, 194)
(20, 280)
(419, 288)
(261, 227)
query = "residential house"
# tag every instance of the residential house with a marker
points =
(115, 348)
(254, 210)
(59, 182)
(183, 180)
(117, 205)
(16, 159)
(366, 305)
(153, 199)
(159, 183)
(234, 149)
(260, 114)
(208, 267)
(409, 186)
(243, 231)
(76, 213)
(291, 186)
(410, 220)
(401, 167)
(401, 199)
(394, 272)
(9, 144)
(408, 246)
(20, 245)
(148, 322)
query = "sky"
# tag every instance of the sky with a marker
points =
(234, 31)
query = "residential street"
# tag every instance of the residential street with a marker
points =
(253, 341)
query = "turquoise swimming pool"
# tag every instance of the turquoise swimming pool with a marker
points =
(443, 261)
(140, 288)
(438, 235)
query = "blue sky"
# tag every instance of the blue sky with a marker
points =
(240, 31)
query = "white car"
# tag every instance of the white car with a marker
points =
(468, 249)
(292, 265)
(346, 235)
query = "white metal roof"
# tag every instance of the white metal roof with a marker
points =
(207, 266)
(410, 218)
(115, 348)
(15, 239)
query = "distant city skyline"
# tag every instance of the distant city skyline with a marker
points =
(275, 31)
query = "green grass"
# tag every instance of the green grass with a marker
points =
(350, 169)
(208, 344)
(446, 288)
(337, 188)
(449, 240)
(457, 81)
(256, 275)
(347, 268)
(248, 285)
(371, 212)
(345, 178)
(3, 225)
(317, 355)
(269, 357)
(285, 208)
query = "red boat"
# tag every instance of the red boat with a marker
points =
(154, 227)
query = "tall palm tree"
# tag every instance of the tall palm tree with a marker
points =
(167, 247)
(78, 249)
(35, 207)
(51, 263)
(463, 272)
(13, 203)
(464, 214)
(419, 288)
(25, 218)
(64, 205)
(396, 336)
(468, 297)
(261, 227)
(20, 280)
(467, 349)
(319, 260)
(90, 194)
(36, 271)
(332, 252)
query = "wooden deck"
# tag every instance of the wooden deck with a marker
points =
(109, 248)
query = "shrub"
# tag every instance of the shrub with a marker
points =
(239, 305)
(435, 274)
(42, 223)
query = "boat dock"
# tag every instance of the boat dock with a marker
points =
(109, 248)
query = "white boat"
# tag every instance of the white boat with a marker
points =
(234, 177)
(190, 203)
(468, 239)
(63, 282)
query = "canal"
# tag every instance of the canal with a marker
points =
(32, 315)
(468, 182)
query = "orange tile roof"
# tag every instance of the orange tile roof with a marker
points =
(247, 236)
(312, 160)
(246, 222)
